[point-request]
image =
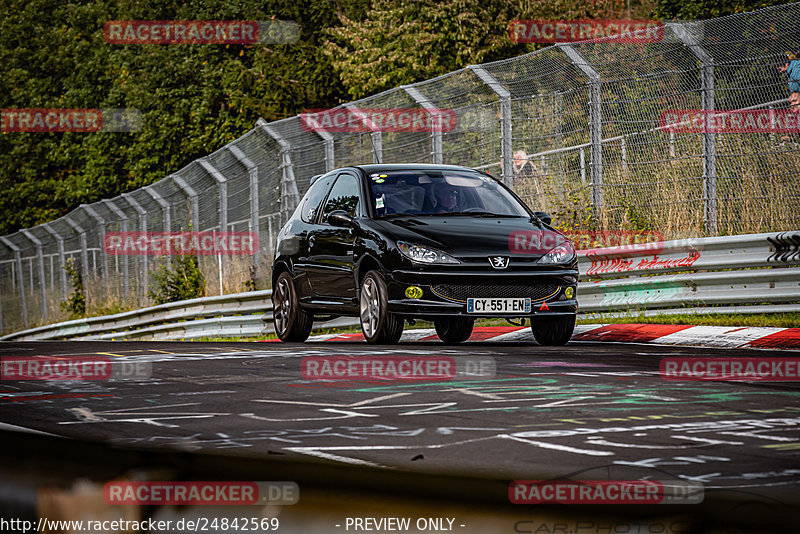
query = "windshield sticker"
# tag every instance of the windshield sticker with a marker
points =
(379, 202)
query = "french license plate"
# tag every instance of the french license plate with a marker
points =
(520, 305)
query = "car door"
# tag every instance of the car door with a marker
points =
(332, 248)
(304, 225)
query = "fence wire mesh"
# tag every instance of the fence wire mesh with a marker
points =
(574, 129)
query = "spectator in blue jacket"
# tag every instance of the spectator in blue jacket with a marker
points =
(792, 70)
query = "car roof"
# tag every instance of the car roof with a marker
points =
(378, 167)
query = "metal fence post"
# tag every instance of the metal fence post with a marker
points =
(84, 246)
(376, 136)
(21, 285)
(142, 228)
(222, 188)
(124, 224)
(191, 194)
(327, 141)
(252, 170)
(40, 261)
(290, 197)
(61, 257)
(595, 124)
(101, 226)
(506, 147)
(709, 137)
(164, 207)
(436, 129)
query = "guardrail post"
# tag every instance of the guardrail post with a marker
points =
(436, 130)
(61, 257)
(505, 118)
(191, 194)
(376, 135)
(124, 224)
(84, 246)
(21, 285)
(327, 142)
(595, 124)
(290, 197)
(252, 169)
(143, 228)
(164, 207)
(709, 137)
(40, 261)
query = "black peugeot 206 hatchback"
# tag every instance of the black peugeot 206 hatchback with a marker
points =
(396, 243)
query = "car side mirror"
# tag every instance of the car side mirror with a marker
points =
(340, 218)
(543, 216)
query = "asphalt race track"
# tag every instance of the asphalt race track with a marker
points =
(585, 411)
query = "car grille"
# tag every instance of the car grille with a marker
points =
(462, 292)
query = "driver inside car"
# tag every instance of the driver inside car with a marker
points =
(446, 198)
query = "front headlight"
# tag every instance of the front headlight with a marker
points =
(422, 254)
(562, 253)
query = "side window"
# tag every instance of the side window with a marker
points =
(344, 196)
(313, 198)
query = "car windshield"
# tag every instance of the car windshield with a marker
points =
(430, 192)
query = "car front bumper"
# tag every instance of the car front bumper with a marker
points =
(444, 293)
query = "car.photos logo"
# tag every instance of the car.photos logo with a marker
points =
(181, 243)
(730, 121)
(80, 120)
(201, 32)
(365, 120)
(76, 368)
(391, 368)
(741, 369)
(605, 492)
(191, 493)
(536, 242)
(569, 31)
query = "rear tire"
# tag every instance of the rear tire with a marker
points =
(553, 330)
(292, 324)
(454, 329)
(379, 326)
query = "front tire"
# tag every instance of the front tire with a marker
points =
(553, 330)
(454, 330)
(379, 326)
(292, 324)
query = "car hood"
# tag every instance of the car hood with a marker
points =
(465, 236)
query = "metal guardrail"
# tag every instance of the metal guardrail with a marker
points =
(756, 273)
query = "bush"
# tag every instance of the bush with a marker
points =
(75, 305)
(178, 279)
